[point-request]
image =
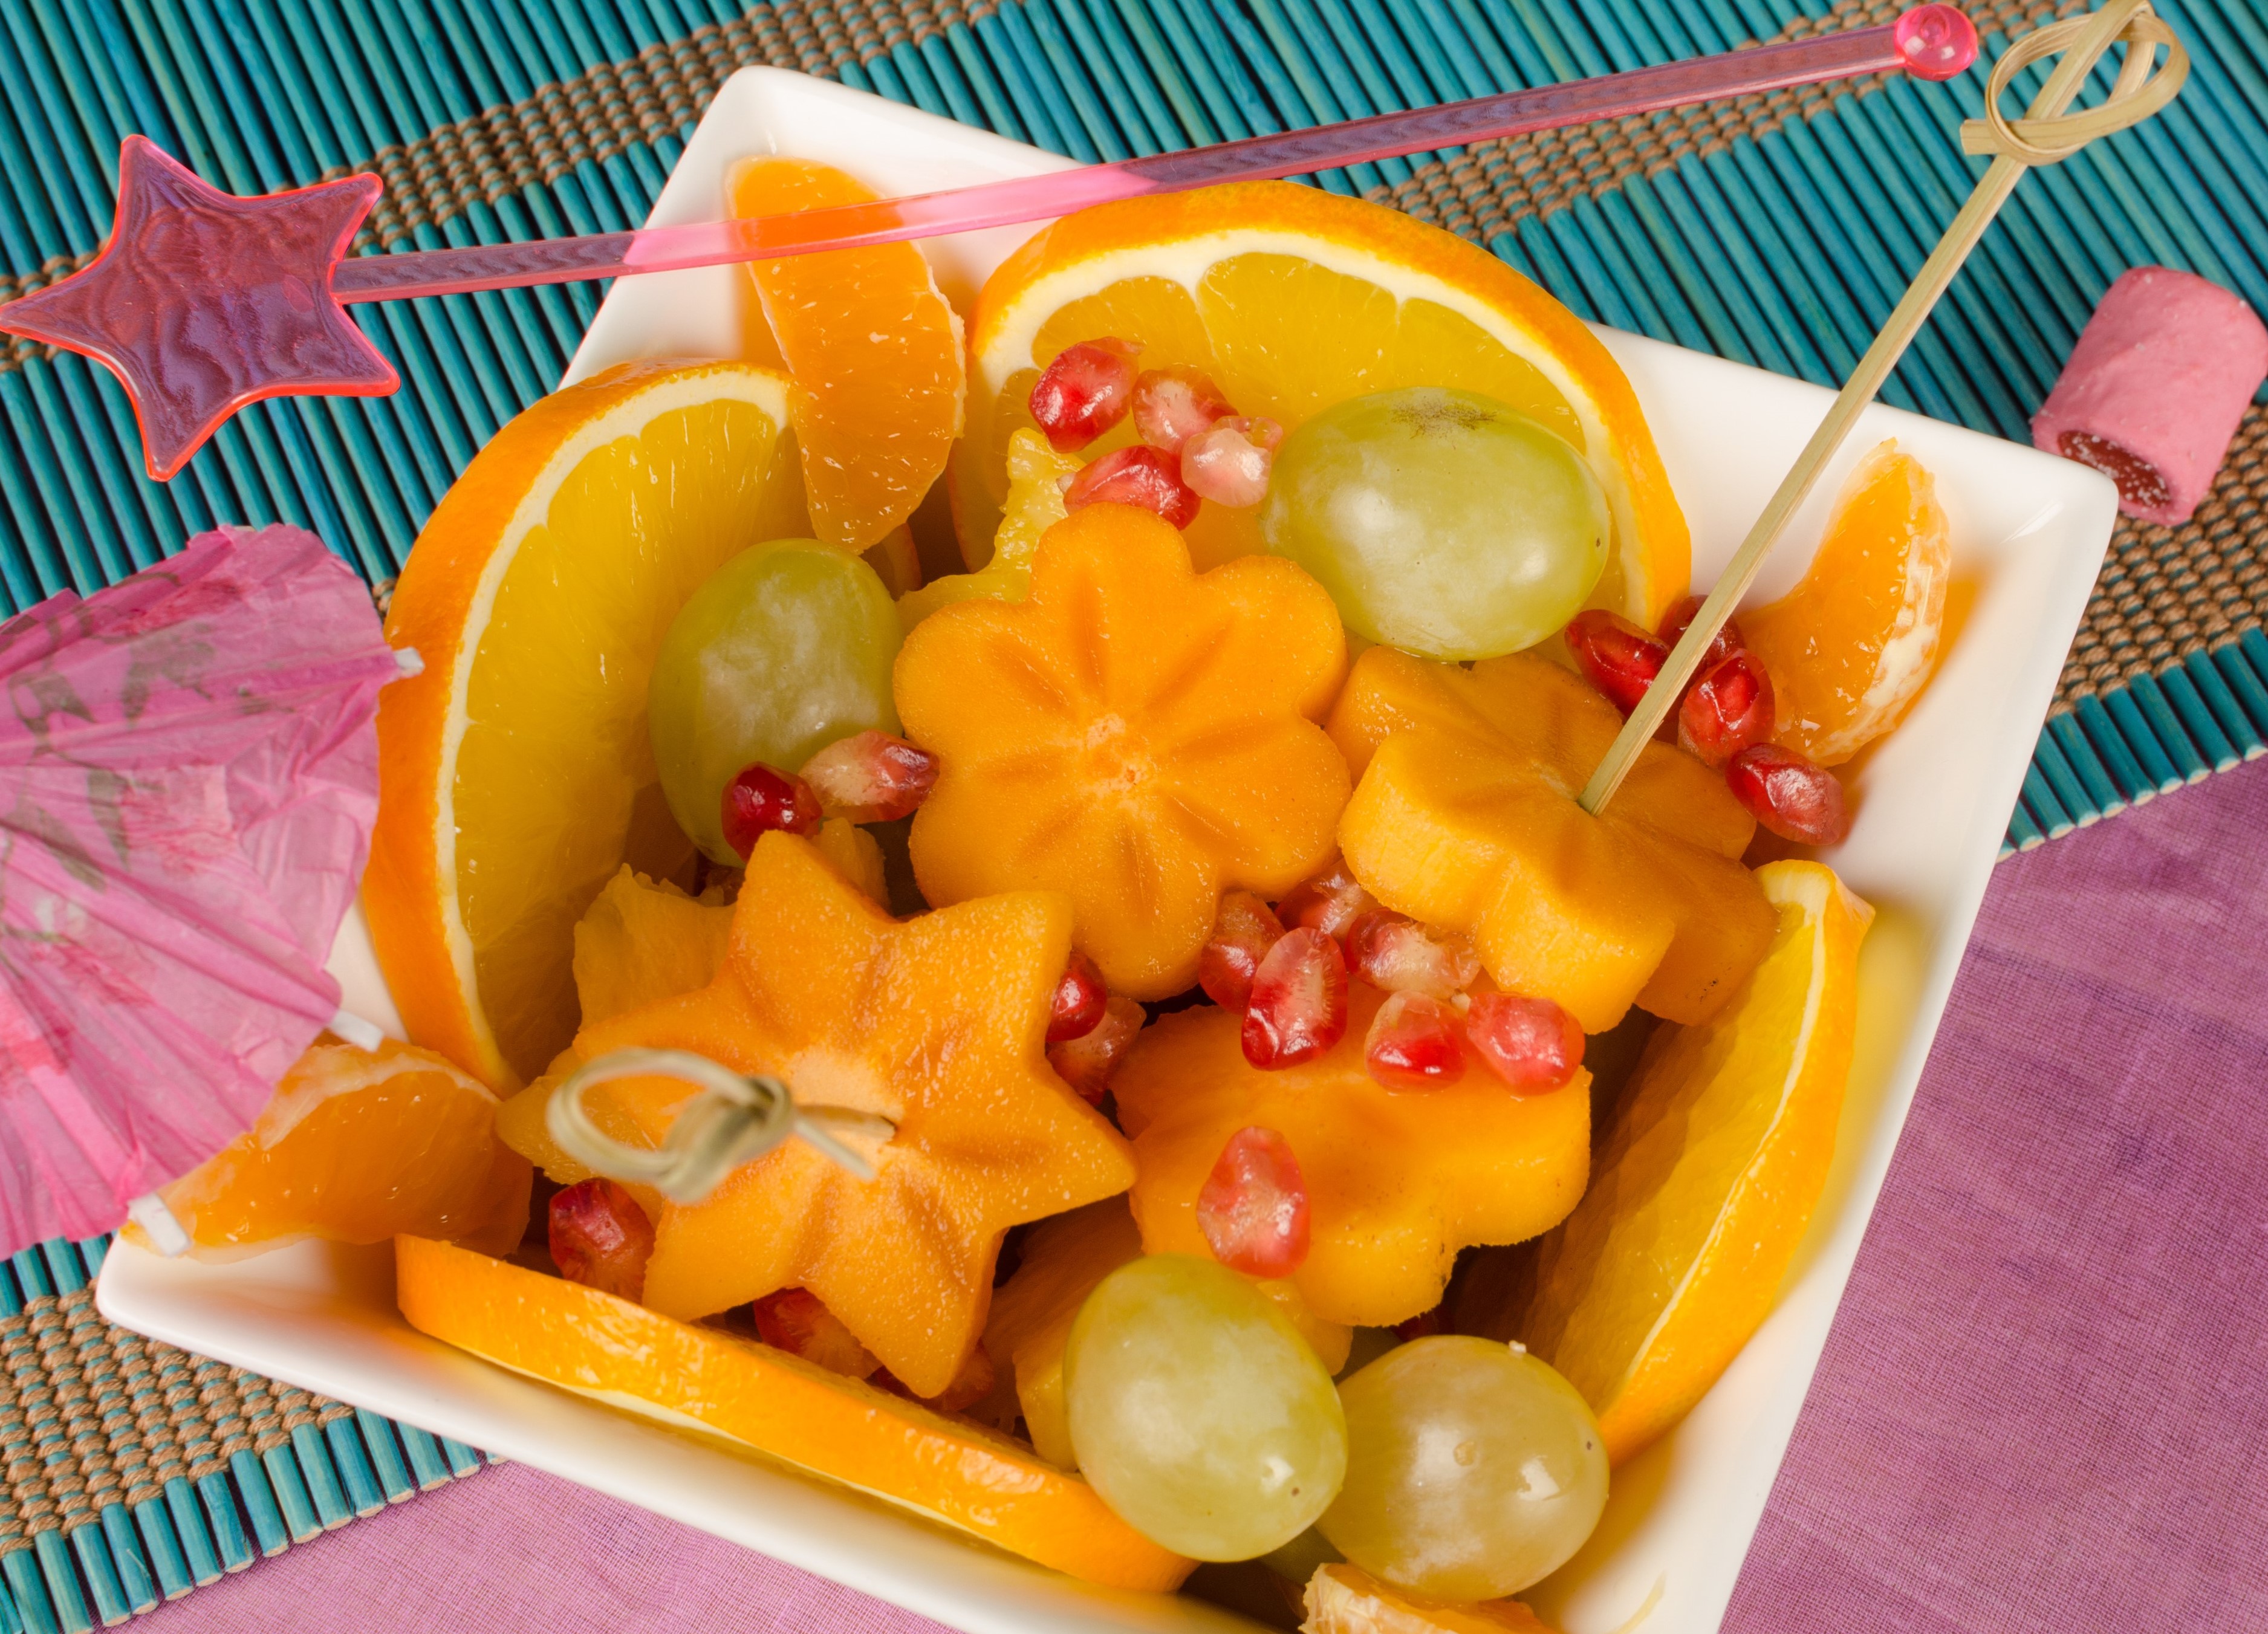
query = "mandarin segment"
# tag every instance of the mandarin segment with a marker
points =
(1717, 1155)
(947, 1470)
(357, 1146)
(1396, 1183)
(874, 350)
(937, 1023)
(1851, 646)
(1134, 735)
(1465, 818)
(515, 771)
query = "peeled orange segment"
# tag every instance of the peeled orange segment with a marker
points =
(515, 773)
(1851, 648)
(358, 1146)
(1344, 1599)
(874, 350)
(1294, 300)
(1715, 1161)
(627, 1357)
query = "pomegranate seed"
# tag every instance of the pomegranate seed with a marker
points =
(1531, 1043)
(1241, 937)
(1796, 798)
(1172, 405)
(760, 798)
(1088, 1062)
(1229, 463)
(601, 1238)
(1413, 1043)
(1329, 902)
(1139, 476)
(1728, 639)
(1085, 391)
(1078, 1002)
(1393, 951)
(1617, 658)
(1253, 1207)
(1729, 707)
(871, 776)
(794, 1320)
(1299, 1004)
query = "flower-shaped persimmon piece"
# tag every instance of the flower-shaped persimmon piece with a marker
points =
(1396, 1182)
(1135, 734)
(1465, 817)
(938, 1023)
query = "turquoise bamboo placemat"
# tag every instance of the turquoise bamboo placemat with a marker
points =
(1776, 230)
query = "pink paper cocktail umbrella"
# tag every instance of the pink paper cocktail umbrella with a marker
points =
(202, 302)
(189, 774)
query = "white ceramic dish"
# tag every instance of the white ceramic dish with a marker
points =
(1932, 803)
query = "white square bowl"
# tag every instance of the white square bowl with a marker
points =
(2029, 533)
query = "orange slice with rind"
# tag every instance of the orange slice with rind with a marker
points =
(1344, 1599)
(874, 350)
(515, 775)
(1851, 646)
(1294, 300)
(747, 1392)
(1717, 1155)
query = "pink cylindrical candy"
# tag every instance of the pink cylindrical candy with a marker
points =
(2155, 388)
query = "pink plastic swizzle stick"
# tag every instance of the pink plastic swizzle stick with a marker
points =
(202, 302)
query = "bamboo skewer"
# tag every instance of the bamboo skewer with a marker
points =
(2046, 135)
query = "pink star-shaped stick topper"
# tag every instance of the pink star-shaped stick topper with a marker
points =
(202, 302)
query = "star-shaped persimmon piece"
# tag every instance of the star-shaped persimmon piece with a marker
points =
(1464, 816)
(202, 302)
(938, 1023)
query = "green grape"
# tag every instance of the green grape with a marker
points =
(784, 648)
(1473, 1469)
(1198, 1412)
(1442, 522)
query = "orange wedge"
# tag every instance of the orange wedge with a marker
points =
(1714, 1162)
(1852, 647)
(1294, 300)
(1346, 1600)
(874, 348)
(359, 1146)
(948, 1469)
(515, 773)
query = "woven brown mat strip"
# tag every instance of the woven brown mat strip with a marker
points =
(2168, 593)
(1492, 186)
(92, 1415)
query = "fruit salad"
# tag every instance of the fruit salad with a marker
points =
(992, 904)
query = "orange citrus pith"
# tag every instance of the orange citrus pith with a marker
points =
(359, 1146)
(948, 1469)
(1851, 648)
(1294, 300)
(874, 350)
(1715, 1160)
(515, 775)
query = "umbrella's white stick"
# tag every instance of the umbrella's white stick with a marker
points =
(149, 1212)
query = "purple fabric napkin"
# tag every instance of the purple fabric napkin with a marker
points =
(2041, 1406)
